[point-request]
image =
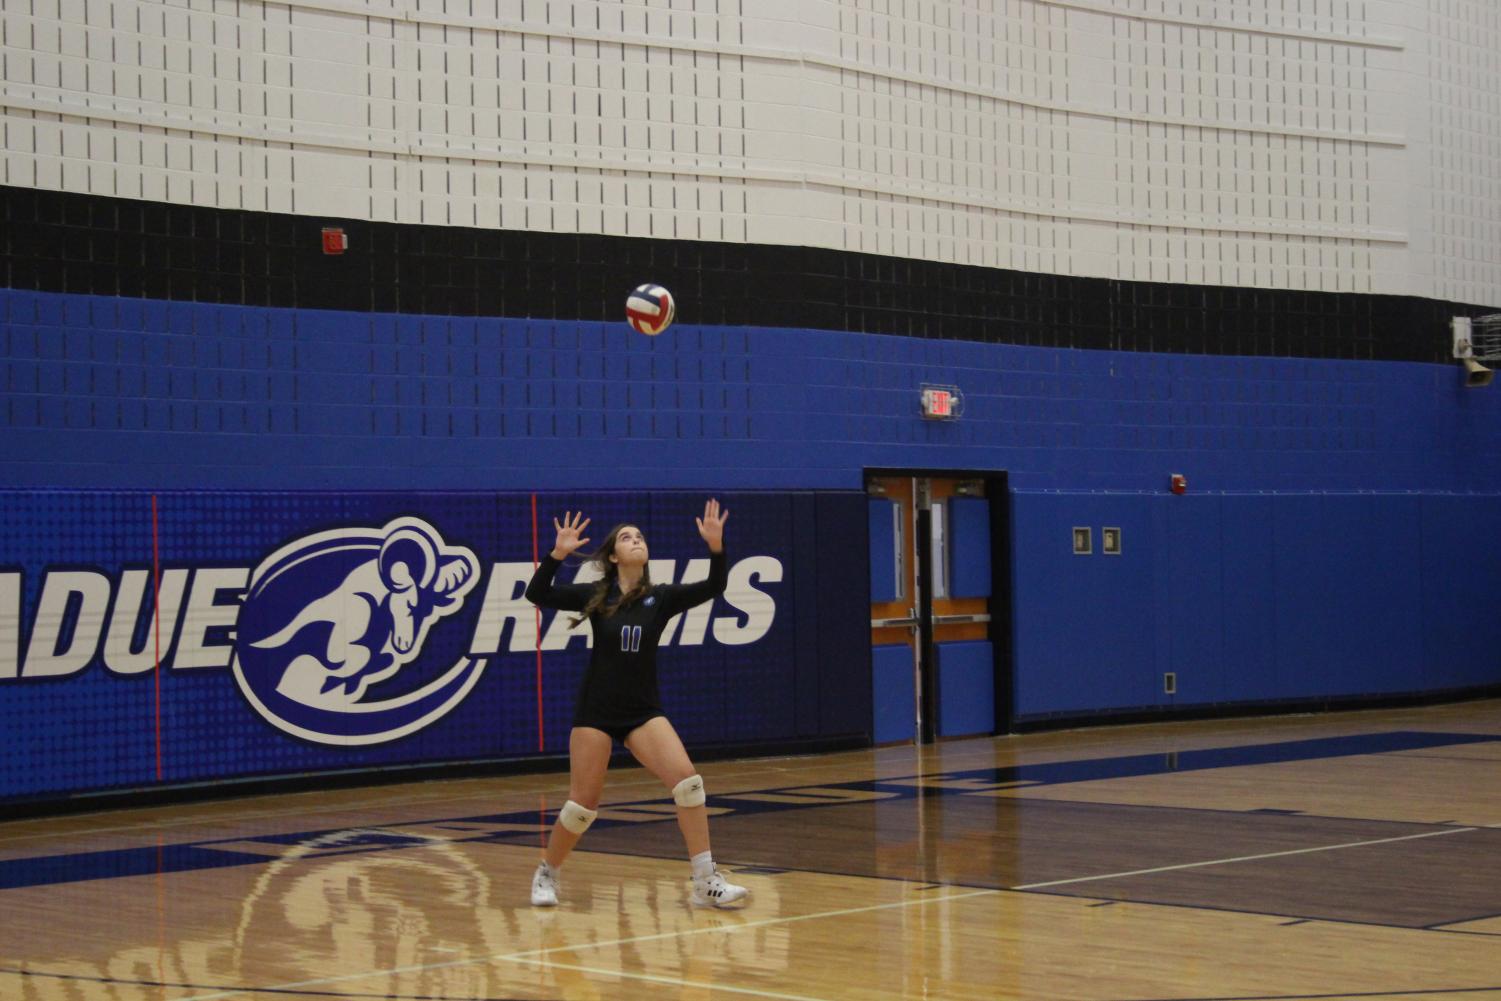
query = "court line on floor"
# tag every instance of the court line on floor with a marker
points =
(529, 954)
(1331, 997)
(388, 996)
(1243, 858)
(227, 816)
(225, 813)
(1027, 795)
(536, 956)
(734, 769)
(1419, 755)
(538, 953)
(230, 816)
(671, 981)
(1027, 887)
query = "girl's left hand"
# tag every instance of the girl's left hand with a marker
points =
(711, 525)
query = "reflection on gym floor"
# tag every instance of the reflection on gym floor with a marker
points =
(1165, 861)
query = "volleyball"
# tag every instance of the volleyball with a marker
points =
(649, 309)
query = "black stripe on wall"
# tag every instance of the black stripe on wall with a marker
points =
(89, 244)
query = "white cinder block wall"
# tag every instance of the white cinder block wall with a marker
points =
(1336, 145)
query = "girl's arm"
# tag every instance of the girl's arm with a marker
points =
(681, 597)
(542, 591)
(711, 528)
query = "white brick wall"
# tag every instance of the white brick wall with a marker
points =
(1319, 144)
(1460, 100)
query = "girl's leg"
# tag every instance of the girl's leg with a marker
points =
(657, 746)
(659, 749)
(588, 759)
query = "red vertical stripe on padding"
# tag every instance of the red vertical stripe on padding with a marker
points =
(156, 592)
(538, 612)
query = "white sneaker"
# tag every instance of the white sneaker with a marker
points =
(545, 886)
(714, 890)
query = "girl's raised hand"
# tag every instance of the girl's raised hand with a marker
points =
(569, 532)
(711, 525)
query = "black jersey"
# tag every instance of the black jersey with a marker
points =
(620, 686)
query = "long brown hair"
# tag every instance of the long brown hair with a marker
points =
(610, 576)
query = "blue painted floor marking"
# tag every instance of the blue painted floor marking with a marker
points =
(221, 853)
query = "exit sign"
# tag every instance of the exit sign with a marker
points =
(941, 403)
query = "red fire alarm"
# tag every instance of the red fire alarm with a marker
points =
(334, 240)
(1179, 483)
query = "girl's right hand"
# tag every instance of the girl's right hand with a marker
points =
(568, 540)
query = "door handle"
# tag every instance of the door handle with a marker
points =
(910, 620)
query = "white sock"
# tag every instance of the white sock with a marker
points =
(703, 865)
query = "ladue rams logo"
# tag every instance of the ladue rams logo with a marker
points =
(354, 635)
(329, 617)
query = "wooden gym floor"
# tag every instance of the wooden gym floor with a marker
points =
(1351, 856)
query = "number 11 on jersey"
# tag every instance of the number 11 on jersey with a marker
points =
(630, 639)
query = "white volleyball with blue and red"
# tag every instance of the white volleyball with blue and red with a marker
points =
(650, 309)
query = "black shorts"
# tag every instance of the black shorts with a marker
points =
(617, 729)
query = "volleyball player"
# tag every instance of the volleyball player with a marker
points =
(619, 698)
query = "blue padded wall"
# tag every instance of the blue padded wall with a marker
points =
(966, 688)
(969, 547)
(882, 550)
(844, 700)
(891, 684)
(130, 393)
(1249, 598)
(1460, 570)
(1080, 640)
(1335, 533)
(779, 659)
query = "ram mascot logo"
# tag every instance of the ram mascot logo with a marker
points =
(330, 620)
